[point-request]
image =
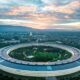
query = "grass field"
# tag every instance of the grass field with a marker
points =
(40, 54)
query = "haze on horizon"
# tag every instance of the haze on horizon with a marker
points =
(41, 14)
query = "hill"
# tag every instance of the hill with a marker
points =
(14, 28)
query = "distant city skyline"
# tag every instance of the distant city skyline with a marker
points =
(41, 14)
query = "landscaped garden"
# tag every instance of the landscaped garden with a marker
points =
(40, 54)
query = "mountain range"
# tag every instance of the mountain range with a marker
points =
(14, 28)
(7, 28)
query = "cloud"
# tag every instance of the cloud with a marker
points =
(21, 10)
(23, 23)
(47, 1)
(67, 9)
(71, 25)
(41, 20)
(40, 14)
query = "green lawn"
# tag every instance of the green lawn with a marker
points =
(40, 54)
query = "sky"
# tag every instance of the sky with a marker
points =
(41, 14)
